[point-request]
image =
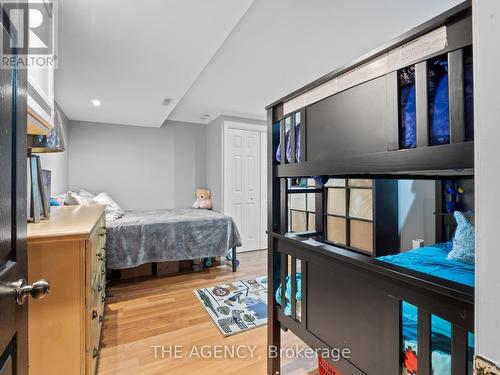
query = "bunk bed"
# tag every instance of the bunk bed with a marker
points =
(403, 111)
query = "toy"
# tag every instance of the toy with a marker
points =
(203, 199)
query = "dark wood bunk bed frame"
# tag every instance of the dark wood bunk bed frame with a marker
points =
(349, 299)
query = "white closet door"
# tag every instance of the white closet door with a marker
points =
(243, 185)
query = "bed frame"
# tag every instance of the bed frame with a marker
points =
(358, 106)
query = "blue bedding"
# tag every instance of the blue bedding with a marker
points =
(431, 260)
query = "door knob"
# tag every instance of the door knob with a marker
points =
(39, 289)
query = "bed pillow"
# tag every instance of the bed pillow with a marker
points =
(85, 194)
(463, 248)
(71, 198)
(112, 210)
(81, 197)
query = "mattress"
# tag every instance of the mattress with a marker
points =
(432, 260)
(141, 237)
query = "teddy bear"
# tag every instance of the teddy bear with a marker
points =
(203, 199)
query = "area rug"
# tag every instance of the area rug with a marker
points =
(237, 306)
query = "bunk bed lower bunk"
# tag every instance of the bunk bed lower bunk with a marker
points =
(431, 260)
(355, 288)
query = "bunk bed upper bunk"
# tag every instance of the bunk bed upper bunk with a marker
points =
(404, 110)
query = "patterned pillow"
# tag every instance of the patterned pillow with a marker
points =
(464, 239)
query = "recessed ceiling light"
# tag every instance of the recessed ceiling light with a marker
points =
(166, 101)
(96, 102)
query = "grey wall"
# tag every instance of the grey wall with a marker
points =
(416, 211)
(57, 163)
(486, 24)
(140, 168)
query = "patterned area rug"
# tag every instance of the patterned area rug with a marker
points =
(236, 307)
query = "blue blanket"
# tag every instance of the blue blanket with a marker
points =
(431, 260)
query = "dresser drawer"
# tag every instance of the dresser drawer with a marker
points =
(96, 256)
(99, 271)
(94, 322)
(97, 246)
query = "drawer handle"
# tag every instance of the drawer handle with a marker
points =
(95, 353)
(101, 318)
(94, 314)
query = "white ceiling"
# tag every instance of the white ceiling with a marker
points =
(211, 56)
(281, 45)
(132, 54)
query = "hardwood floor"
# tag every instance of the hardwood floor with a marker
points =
(163, 311)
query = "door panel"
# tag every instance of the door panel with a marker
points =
(244, 178)
(13, 115)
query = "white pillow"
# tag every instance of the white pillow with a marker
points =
(85, 194)
(112, 210)
(71, 198)
(78, 198)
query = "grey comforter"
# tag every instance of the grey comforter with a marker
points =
(165, 235)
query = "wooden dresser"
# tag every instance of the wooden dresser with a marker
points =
(65, 327)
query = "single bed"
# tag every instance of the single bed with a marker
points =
(141, 237)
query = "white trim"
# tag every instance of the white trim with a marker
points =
(226, 125)
(263, 190)
(244, 126)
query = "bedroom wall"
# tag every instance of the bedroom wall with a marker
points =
(57, 163)
(486, 28)
(141, 168)
(416, 208)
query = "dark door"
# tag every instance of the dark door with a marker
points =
(13, 116)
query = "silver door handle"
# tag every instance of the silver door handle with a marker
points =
(39, 289)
